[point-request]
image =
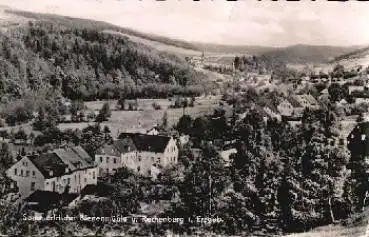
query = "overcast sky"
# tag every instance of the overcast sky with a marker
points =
(247, 22)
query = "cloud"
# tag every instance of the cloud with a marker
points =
(242, 22)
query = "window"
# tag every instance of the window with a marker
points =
(101, 170)
(152, 159)
(107, 159)
(68, 180)
(139, 158)
(93, 175)
(27, 173)
(21, 174)
(64, 181)
(33, 173)
(15, 171)
(33, 185)
(85, 180)
(101, 159)
(115, 160)
(138, 169)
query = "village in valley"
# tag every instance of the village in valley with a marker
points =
(116, 134)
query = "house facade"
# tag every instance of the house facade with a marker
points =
(113, 156)
(61, 170)
(143, 153)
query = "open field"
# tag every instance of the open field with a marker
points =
(142, 120)
(27, 127)
(144, 104)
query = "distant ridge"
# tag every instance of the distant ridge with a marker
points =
(300, 53)
(352, 55)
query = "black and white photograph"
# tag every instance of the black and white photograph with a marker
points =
(176, 118)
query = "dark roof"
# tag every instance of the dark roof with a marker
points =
(59, 159)
(125, 145)
(145, 142)
(48, 162)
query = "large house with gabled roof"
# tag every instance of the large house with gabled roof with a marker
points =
(113, 156)
(61, 170)
(143, 153)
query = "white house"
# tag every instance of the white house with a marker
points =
(355, 88)
(226, 155)
(143, 153)
(285, 108)
(61, 170)
(113, 156)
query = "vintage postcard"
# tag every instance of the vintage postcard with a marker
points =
(184, 118)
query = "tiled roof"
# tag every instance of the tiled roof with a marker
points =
(83, 154)
(145, 142)
(297, 100)
(54, 164)
(108, 149)
(70, 157)
(118, 147)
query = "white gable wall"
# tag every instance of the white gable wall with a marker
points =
(27, 176)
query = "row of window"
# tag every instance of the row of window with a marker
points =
(172, 149)
(24, 174)
(108, 160)
(67, 180)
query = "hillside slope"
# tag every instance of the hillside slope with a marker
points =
(308, 53)
(353, 58)
(76, 59)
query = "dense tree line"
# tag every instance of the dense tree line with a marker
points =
(280, 180)
(87, 64)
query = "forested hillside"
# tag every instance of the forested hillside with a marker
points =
(83, 63)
